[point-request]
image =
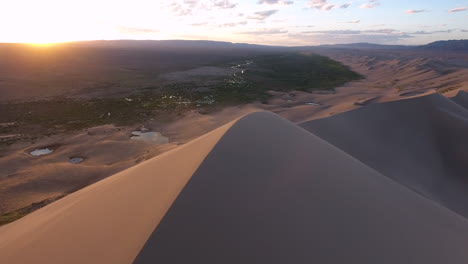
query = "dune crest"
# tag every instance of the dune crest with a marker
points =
(287, 196)
(420, 143)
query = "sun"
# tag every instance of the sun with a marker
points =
(46, 22)
(54, 21)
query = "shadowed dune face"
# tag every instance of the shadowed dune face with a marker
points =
(289, 197)
(263, 190)
(461, 99)
(420, 143)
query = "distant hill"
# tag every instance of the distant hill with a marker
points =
(447, 45)
(172, 45)
(455, 45)
(365, 45)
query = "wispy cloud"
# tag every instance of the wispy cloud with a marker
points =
(262, 15)
(415, 11)
(235, 24)
(276, 2)
(345, 5)
(370, 4)
(188, 7)
(376, 35)
(351, 36)
(224, 4)
(324, 5)
(352, 32)
(458, 9)
(133, 30)
(421, 32)
(353, 22)
(321, 4)
(271, 31)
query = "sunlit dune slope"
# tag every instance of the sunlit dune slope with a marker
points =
(107, 222)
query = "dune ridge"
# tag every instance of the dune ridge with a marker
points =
(264, 190)
(420, 143)
(290, 197)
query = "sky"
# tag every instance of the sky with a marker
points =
(271, 22)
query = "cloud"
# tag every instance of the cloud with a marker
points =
(181, 10)
(458, 9)
(422, 32)
(262, 15)
(321, 5)
(370, 4)
(132, 30)
(276, 2)
(335, 32)
(353, 22)
(384, 35)
(224, 4)
(191, 3)
(349, 31)
(233, 24)
(350, 36)
(324, 5)
(271, 31)
(414, 11)
(433, 26)
(346, 5)
(199, 24)
(189, 7)
(381, 34)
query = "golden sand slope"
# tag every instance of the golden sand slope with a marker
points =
(107, 222)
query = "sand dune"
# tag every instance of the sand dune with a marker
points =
(390, 75)
(420, 143)
(289, 197)
(107, 222)
(263, 190)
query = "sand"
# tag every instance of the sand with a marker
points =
(107, 222)
(287, 196)
(380, 183)
(390, 76)
(421, 143)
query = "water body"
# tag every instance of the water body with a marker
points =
(310, 103)
(150, 137)
(76, 160)
(40, 152)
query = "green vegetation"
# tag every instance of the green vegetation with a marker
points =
(250, 81)
(293, 71)
(448, 89)
(281, 72)
(15, 215)
(58, 115)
